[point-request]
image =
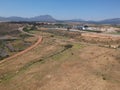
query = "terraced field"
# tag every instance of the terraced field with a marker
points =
(62, 63)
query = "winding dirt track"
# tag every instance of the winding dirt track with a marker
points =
(28, 49)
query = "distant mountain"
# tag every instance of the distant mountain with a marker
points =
(111, 21)
(107, 21)
(72, 20)
(45, 18)
(48, 18)
(14, 18)
(75, 20)
(3, 19)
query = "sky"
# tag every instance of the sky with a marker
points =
(62, 9)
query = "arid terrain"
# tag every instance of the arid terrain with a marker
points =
(64, 61)
(13, 40)
(59, 44)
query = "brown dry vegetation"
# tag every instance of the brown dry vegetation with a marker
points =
(9, 28)
(12, 40)
(62, 63)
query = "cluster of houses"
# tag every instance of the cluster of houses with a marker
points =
(95, 28)
(79, 27)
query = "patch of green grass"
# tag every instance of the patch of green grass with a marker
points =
(77, 46)
(6, 76)
(53, 55)
(30, 64)
(61, 56)
(69, 52)
(9, 76)
(115, 33)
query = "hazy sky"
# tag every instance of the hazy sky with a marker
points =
(62, 9)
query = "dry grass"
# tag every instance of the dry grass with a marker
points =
(50, 67)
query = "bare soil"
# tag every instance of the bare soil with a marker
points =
(50, 66)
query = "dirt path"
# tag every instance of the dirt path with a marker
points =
(26, 50)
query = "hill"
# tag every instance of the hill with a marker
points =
(49, 18)
(37, 18)
(111, 21)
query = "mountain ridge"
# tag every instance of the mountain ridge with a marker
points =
(36, 18)
(49, 18)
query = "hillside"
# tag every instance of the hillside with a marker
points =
(12, 40)
(9, 29)
(111, 21)
(46, 18)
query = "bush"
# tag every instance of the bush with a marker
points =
(68, 46)
(51, 35)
